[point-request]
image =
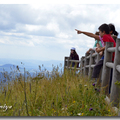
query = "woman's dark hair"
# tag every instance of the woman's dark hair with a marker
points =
(74, 54)
(114, 37)
(112, 28)
(104, 27)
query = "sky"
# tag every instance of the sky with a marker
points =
(47, 31)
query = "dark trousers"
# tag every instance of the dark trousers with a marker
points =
(73, 64)
(97, 68)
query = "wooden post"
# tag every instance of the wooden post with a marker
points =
(81, 65)
(85, 63)
(90, 63)
(65, 64)
(68, 62)
(115, 90)
(106, 70)
(98, 58)
(100, 75)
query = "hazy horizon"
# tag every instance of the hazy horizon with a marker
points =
(31, 64)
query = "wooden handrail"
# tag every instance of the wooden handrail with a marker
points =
(87, 64)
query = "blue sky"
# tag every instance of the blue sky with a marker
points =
(47, 31)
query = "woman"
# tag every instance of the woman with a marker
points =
(74, 56)
(112, 29)
(113, 32)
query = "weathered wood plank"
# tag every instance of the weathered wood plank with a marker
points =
(88, 57)
(87, 66)
(106, 70)
(85, 63)
(98, 57)
(95, 54)
(73, 68)
(118, 68)
(115, 91)
(81, 65)
(90, 63)
(111, 49)
(119, 48)
(109, 64)
(92, 66)
(74, 61)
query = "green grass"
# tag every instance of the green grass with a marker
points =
(66, 95)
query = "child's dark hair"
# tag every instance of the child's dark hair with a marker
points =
(97, 33)
(112, 28)
(104, 27)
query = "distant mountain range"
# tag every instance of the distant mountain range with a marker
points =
(9, 65)
(29, 65)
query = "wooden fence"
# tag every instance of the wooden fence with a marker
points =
(87, 63)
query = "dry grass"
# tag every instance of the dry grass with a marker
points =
(67, 95)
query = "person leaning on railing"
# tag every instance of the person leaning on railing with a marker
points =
(104, 36)
(113, 32)
(114, 35)
(94, 48)
(97, 41)
(97, 44)
(74, 56)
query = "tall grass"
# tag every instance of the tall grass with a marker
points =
(69, 94)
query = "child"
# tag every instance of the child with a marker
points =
(97, 44)
(105, 37)
(97, 41)
(94, 48)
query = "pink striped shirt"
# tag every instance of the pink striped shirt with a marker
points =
(101, 41)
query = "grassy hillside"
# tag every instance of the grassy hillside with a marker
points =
(67, 95)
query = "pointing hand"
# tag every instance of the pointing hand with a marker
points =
(78, 31)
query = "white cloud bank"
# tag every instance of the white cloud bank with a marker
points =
(47, 31)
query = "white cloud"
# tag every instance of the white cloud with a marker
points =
(12, 33)
(30, 43)
(63, 35)
(53, 26)
(78, 10)
(2, 41)
(32, 27)
(50, 28)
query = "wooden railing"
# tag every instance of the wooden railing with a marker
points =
(68, 62)
(87, 63)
